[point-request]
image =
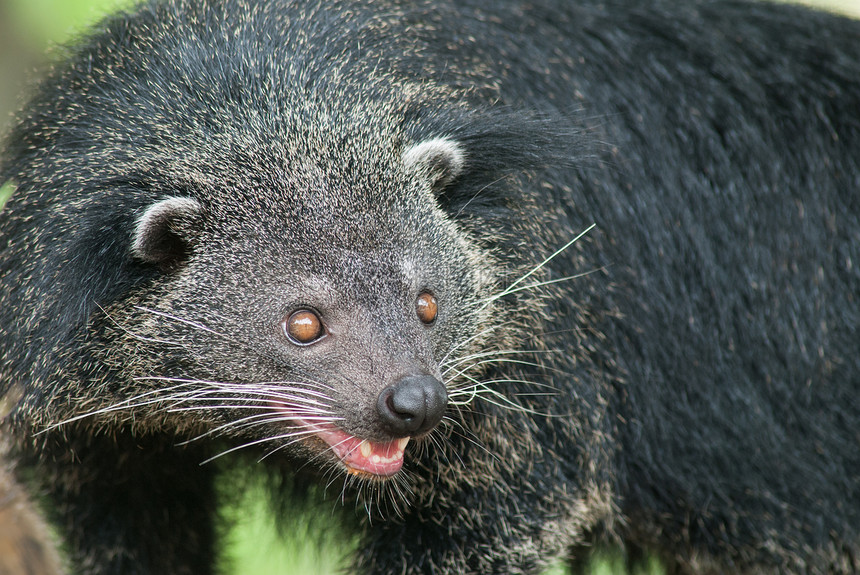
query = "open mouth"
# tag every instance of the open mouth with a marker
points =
(361, 456)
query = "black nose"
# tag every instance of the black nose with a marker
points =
(413, 405)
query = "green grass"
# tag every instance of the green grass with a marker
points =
(254, 545)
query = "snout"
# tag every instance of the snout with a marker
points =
(412, 406)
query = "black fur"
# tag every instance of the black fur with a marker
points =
(692, 392)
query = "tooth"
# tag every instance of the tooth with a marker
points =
(365, 448)
(375, 459)
(402, 443)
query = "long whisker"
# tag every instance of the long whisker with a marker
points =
(481, 389)
(293, 436)
(147, 398)
(302, 384)
(537, 285)
(451, 366)
(136, 336)
(172, 317)
(257, 420)
(191, 390)
(253, 396)
(511, 288)
(473, 337)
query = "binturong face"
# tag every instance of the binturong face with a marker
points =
(300, 314)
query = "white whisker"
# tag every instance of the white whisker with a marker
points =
(473, 337)
(511, 289)
(293, 437)
(537, 285)
(491, 354)
(171, 317)
(137, 336)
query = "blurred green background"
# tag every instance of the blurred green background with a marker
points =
(31, 33)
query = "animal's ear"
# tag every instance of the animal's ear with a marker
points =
(439, 159)
(163, 233)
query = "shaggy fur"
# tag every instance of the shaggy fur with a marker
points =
(682, 378)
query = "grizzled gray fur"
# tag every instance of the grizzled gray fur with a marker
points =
(507, 279)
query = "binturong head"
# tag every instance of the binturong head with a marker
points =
(308, 313)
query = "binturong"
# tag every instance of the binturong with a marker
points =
(509, 281)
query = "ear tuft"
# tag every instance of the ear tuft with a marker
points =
(163, 232)
(440, 159)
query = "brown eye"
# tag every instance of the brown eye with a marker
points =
(426, 308)
(304, 327)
